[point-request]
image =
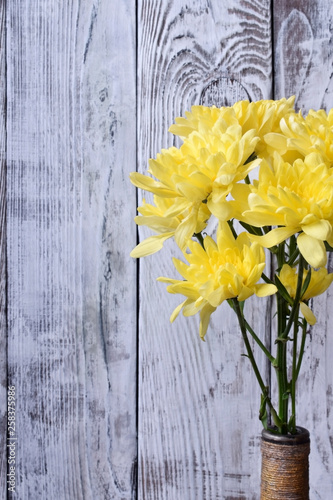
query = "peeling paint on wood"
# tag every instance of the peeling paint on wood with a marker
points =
(72, 343)
(3, 260)
(191, 394)
(84, 100)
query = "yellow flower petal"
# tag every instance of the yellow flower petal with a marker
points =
(205, 315)
(186, 229)
(221, 210)
(313, 250)
(245, 293)
(150, 245)
(320, 229)
(156, 222)
(274, 237)
(177, 310)
(320, 281)
(218, 296)
(191, 308)
(184, 288)
(276, 141)
(308, 314)
(264, 289)
(149, 184)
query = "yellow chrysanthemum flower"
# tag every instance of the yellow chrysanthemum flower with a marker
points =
(314, 133)
(204, 119)
(193, 178)
(262, 116)
(223, 270)
(297, 198)
(165, 217)
(319, 282)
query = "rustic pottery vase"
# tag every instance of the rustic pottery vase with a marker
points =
(285, 465)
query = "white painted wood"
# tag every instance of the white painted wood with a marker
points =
(198, 402)
(304, 58)
(71, 135)
(3, 263)
(71, 131)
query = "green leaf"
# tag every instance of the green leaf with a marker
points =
(283, 340)
(292, 424)
(283, 291)
(251, 229)
(293, 251)
(328, 247)
(231, 225)
(200, 239)
(292, 244)
(276, 419)
(306, 283)
(286, 395)
(252, 157)
(266, 279)
(263, 412)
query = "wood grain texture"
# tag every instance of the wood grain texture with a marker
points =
(80, 97)
(303, 67)
(198, 402)
(72, 285)
(303, 52)
(3, 259)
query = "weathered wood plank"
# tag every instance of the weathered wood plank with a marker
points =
(3, 260)
(303, 52)
(108, 104)
(72, 285)
(72, 290)
(198, 403)
(303, 66)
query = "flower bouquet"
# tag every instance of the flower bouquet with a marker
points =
(265, 173)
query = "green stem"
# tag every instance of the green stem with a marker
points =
(263, 387)
(284, 328)
(294, 311)
(293, 256)
(260, 344)
(301, 350)
(294, 377)
(293, 250)
(282, 385)
(295, 364)
(281, 355)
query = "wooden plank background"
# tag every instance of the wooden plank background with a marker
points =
(113, 402)
(3, 259)
(71, 135)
